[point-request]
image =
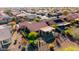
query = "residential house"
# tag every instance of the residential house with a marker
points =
(26, 16)
(45, 31)
(50, 21)
(54, 21)
(72, 16)
(5, 37)
(32, 26)
(61, 27)
(5, 19)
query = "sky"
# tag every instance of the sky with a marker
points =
(39, 3)
(25, 3)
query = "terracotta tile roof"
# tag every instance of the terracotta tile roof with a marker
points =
(4, 33)
(50, 22)
(33, 26)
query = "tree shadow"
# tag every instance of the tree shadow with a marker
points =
(32, 47)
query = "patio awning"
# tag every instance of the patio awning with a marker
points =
(47, 29)
(64, 23)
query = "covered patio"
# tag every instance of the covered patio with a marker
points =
(47, 33)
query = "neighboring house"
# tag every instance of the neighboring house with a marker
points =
(72, 16)
(21, 15)
(5, 19)
(27, 16)
(43, 17)
(42, 14)
(54, 21)
(14, 12)
(58, 20)
(61, 27)
(50, 21)
(54, 15)
(63, 17)
(31, 16)
(5, 36)
(64, 24)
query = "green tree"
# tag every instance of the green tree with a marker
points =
(32, 37)
(32, 40)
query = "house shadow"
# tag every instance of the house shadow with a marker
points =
(48, 38)
(32, 47)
